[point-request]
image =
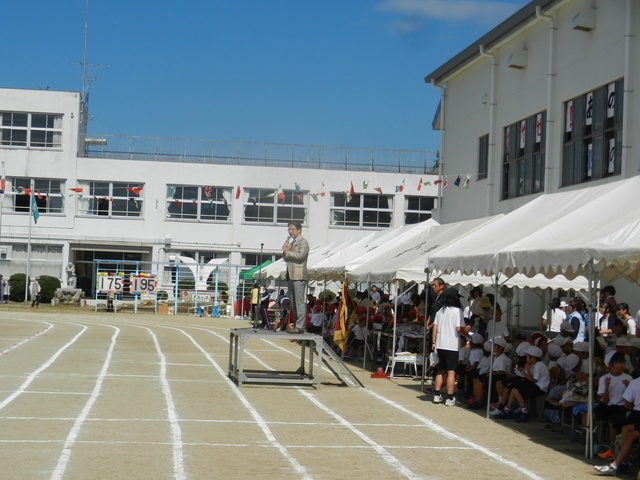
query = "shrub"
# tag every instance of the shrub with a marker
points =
(48, 287)
(17, 287)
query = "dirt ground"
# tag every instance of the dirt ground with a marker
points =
(87, 395)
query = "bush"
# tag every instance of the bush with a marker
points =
(48, 287)
(17, 287)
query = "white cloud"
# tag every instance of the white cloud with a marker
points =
(483, 12)
(404, 27)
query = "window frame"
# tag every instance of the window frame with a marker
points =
(421, 215)
(356, 208)
(263, 206)
(218, 200)
(592, 134)
(46, 191)
(40, 131)
(102, 195)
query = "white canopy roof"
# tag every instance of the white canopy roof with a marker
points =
(558, 233)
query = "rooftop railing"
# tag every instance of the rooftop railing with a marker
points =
(222, 152)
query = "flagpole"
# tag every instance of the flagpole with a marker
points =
(26, 287)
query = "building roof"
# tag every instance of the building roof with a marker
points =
(503, 30)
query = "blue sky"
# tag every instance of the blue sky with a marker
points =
(330, 72)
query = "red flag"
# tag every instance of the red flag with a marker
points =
(437, 182)
(76, 189)
(352, 190)
(238, 193)
(39, 195)
(135, 190)
(378, 189)
(420, 185)
(177, 203)
(207, 191)
(346, 310)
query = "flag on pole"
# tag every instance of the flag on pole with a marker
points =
(34, 209)
(346, 310)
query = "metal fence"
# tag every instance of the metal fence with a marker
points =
(221, 152)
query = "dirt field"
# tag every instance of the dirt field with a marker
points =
(87, 395)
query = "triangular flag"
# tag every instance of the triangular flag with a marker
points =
(457, 181)
(238, 192)
(378, 189)
(420, 184)
(446, 183)
(76, 189)
(194, 202)
(297, 188)
(270, 195)
(314, 196)
(298, 197)
(467, 181)
(177, 203)
(437, 182)
(34, 209)
(365, 185)
(352, 190)
(39, 195)
(207, 191)
(280, 193)
(135, 190)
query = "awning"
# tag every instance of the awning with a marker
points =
(248, 274)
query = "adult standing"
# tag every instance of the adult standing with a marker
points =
(3, 284)
(558, 315)
(448, 325)
(295, 255)
(35, 293)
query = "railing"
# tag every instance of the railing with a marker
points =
(221, 152)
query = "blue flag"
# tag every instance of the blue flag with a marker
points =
(34, 209)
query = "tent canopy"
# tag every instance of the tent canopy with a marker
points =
(247, 275)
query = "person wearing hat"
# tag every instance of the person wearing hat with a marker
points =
(536, 380)
(558, 315)
(317, 320)
(448, 326)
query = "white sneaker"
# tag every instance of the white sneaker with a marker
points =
(495, 411)
(451, 402)
(437, 399)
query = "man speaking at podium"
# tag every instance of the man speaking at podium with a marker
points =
(296, 254)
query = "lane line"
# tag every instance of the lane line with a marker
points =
(40, 369)
(35, 335)
(63, 460)
(382, 452)
(443, 431)
(176, 432)
(302, 471)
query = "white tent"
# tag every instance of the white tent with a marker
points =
(593, 232)
(278, 269)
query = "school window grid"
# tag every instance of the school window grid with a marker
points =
(418, 209)
(483, 157)
(198, 203)
(274, 207)
(30, 130)
(361, 210)
(523, 156)
(110, 199)
(593, 135)
(47, 194)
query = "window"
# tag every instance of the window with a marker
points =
(47, 194)
(483, 157)
(269, 206)
(593, 135)
(523, 157)
(111, 199)
(361, 210)
(198, 203)
(34, 130)
(418, 209)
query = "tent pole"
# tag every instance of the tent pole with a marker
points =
(593, 284)
(493, 337)
(427, 272)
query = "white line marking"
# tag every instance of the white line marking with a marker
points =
(63, 460)
(254, 413)
(380, 450)
(40, 369)
(176, 433)
(19, 344)
(443, 431)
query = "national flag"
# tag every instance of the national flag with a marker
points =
(238, 192)
(457, 181)
(177, 203)
(322, 191)
(297, 187)
(446, 183)
(254, 200)
(39, 195)
(467, 181)
(420, 184)
(76, 189)
(365, 185)
(298, 197)
(3, 181)
(352, 190)
(378, 189)
(280, 193)
(207, 191)
(135, 190)
(346, 312)
(270, 195)
(34, 209)
(437, 182)
(194, 202)
(314, 196)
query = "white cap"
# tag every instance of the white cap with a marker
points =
(534, 351)
(554, 351)
(521, 349)
(567, 327)
(571, 361)
(563, 304)
(582, 347)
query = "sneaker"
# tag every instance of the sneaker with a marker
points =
(609, 470)
(437, 398)
(607, 454)
(503, 416)
(450, 402)
(495, 411)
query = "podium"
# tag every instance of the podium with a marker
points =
(308, 371)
